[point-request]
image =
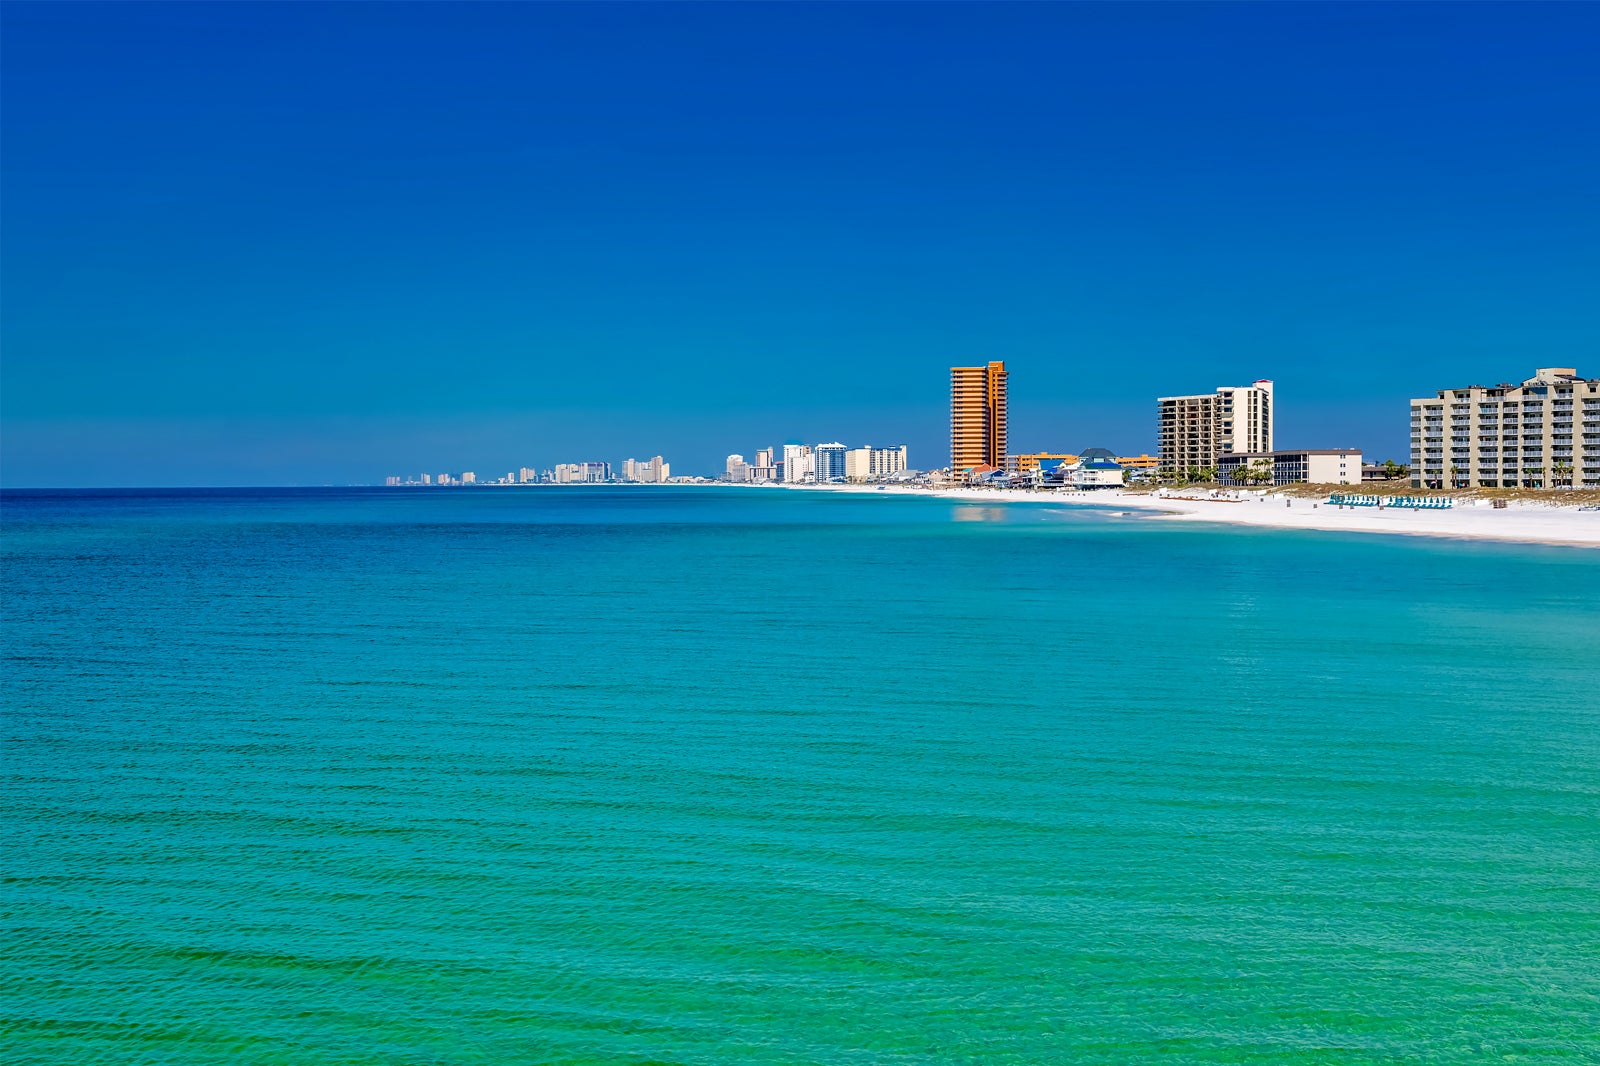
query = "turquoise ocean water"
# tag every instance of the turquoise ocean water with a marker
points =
(719, 776)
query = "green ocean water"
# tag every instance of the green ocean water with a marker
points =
(714, 776)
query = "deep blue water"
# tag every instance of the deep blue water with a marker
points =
(695, 775)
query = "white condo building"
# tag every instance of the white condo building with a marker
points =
(1542, 433)
(1197, 431)
(797, 464)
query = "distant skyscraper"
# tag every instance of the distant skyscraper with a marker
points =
(1196, 431)
(977, 416)
(828, 463)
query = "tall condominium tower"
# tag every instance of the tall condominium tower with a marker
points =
(977, 416)
(828, 462)
(1196, 431)
(1540, 434)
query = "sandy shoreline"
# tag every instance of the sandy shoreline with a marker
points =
(1530, 523)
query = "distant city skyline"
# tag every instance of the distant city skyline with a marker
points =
(297, 244)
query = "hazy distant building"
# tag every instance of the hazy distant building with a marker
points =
(527, 475)
(427, 479)
(1196, 431)
(468, 478)
(1544, 432)
(797, 468)
(763, 469)
(738, 471)
(828, 463)
(650, 472)
(863, 464)
(977, 416)
(581, 473)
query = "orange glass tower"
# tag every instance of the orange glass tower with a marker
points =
(977, 416)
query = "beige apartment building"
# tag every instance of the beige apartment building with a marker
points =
(977, 416)
(1319, 466)
(863, 464)
(1540, 434)
(1197, 431)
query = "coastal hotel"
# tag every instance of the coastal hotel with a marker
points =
(1195, 432)
(1544, 433)
(977, 417)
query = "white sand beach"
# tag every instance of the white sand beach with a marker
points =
(1538, 523)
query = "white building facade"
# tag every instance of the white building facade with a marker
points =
(797, 464)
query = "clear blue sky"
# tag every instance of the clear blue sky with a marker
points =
(293, 243)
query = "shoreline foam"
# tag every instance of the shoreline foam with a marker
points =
(1523, 523)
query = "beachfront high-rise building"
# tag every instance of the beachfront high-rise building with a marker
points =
(797, 464)
(1540, 434)
(977, 416)
(861, 464)
(1196, 431)
(764, 469)
(828, 463)
(590, 473)
(651, 472)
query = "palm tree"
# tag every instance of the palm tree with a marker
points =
(1239, 474)
(1208, 473)
(1389, 469)
(1530, 475)
(1261, 471)
(1560, 471)
(1455, 478)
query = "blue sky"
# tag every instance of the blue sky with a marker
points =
(293, 243)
